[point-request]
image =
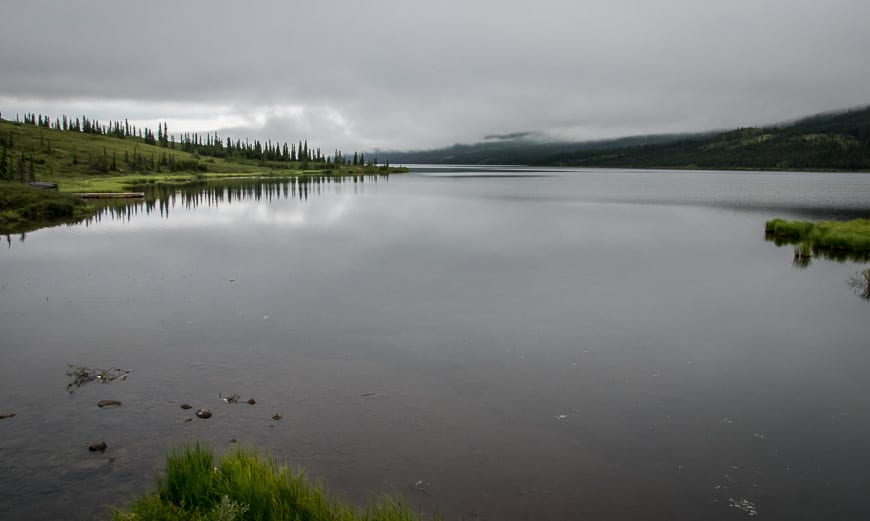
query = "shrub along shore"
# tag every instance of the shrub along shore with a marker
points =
(245, 485)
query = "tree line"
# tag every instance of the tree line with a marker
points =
(209, 145)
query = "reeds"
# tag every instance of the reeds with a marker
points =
(245, 485)
(831, 238)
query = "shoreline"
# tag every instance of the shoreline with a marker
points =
(26, 208)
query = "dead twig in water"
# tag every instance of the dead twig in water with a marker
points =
(84, 375)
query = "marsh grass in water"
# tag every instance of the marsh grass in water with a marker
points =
(849, 240)
(860, 284)
(246, 485)
(803, 255)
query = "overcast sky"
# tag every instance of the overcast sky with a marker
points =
(400, 74)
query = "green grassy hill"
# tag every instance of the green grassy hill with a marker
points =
(84, 162)
(113, 160)
(87, 162)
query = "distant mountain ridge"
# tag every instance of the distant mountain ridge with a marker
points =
(830, 141)
(507, 150)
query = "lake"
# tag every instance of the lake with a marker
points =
(498, 343)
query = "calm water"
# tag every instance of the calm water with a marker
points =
(504, 345)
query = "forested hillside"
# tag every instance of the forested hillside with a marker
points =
(826, 142)
(35, 147)
(519, 150)
(836, 141)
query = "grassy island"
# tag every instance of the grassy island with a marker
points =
(81, 155)
(244, 485)
(839, 240)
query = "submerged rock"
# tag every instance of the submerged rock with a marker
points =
(203, 413)
(276, 417)
(108, 403)
(252, 401)
(99, 446)
(4, 416)
(186, 406)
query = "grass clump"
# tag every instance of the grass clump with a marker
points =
(832, 238)
(797, 230)
(243, 485)
(845, 236)
(860, 283)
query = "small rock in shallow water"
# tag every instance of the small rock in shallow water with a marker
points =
(4, 416)
(108, 403)
(186, 406)
(203, 413)
(277, 417)
(99, 446)
(188, 420)
(252, 401)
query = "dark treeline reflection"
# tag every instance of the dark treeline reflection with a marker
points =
(162, 198)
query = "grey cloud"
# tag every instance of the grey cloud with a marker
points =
(508, 137)
(403, 75)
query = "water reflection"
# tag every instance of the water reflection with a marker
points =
(162, 199)
(21, 237)
(801, 260)
(804, 253)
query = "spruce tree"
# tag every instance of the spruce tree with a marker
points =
(21, 167)
(3, 171)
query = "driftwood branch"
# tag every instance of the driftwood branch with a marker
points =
(84, 375)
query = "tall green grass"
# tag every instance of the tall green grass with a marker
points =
(244, 485)
(797, 230)
(828, 237)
